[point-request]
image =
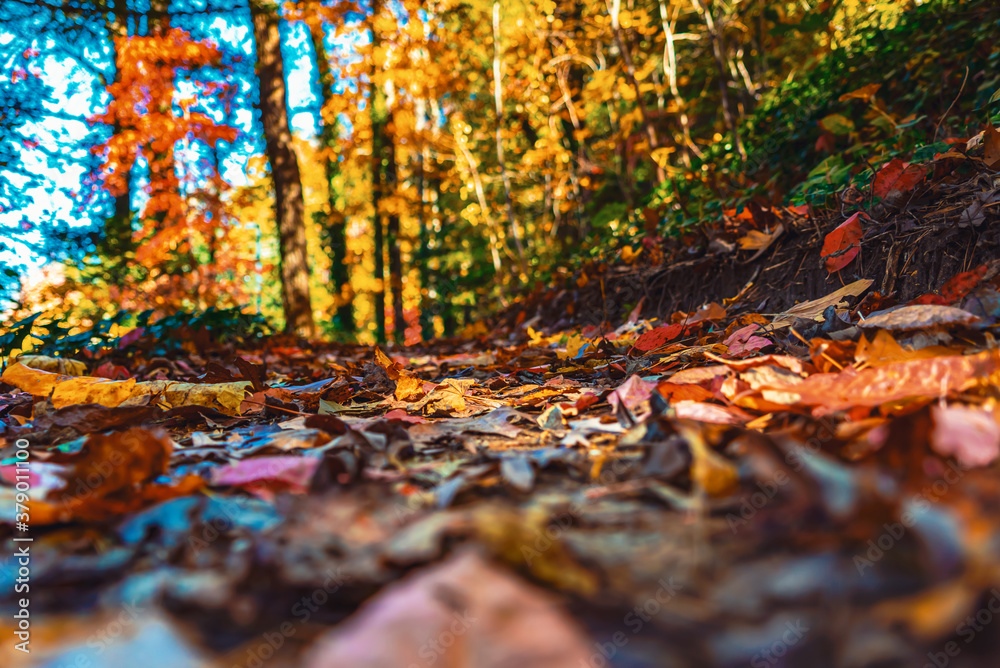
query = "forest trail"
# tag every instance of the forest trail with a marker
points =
(719, 487)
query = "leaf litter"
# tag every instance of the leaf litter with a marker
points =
(680, 492)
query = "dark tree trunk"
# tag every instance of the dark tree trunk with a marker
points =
(395, 259)
(335, 224)
(423, 252)
(117, 242)
(378, 114)
(288, 203)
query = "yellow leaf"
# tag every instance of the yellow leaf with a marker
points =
(711, 471)
(67, 367)
(629, 254)
(573, 346)
(448, 397)
(90, 390)
(224, 397)
(68, 390)
(864, 93)
(661, 155)
(409, 388)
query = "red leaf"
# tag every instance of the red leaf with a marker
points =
(842, 245)
(897, 175)
(655, 338)
(956, 288)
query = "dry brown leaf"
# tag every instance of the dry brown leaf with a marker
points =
(814, 309)
(919, 316)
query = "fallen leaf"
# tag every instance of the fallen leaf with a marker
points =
(842, 245)
(744, 342)
(931, 378)
(573, 347)
(70, 390)
(119, 462)
(759, 241)
(448, 398)
(712, 413)
(90, 418)
(60, 365)
(495, 422)
(675, 392)
(224, 397)
(291, 473)
(655, 338)
(711, 471)
(898, 176)
(631, 393)
(991, 147)
(813, 310)
(923, 316)
(409, 388)
(865, 93)
(883, 349)
(463, 612)
(970, 435)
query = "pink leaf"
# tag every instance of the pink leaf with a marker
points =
(293, 473)
(971, 435)
(631, 393)
(463, 612)
(742, 342)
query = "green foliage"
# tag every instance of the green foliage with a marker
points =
(805, 143)
(14, 338)
(164, 335)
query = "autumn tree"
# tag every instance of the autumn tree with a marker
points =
(334, 222)
(288, 202)
(148, 121)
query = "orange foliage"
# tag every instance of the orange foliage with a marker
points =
(144, 113)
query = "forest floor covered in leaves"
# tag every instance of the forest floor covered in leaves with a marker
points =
(779, 460)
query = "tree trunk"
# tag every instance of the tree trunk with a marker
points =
(395, 259)
(335, 224)
(378, 114)
(117, 241)
(288, 203)
(163, 165)
(423, 252)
